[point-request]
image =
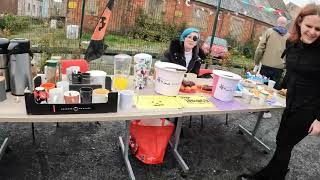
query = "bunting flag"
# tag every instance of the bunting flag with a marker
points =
(245, 6)
(96, 47)
(261, 7)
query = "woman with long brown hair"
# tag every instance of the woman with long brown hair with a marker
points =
(301, 116)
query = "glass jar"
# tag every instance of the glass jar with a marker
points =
(51, 71)
(141, 69)
(122, 66)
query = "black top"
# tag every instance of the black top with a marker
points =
(303, 76)
(175, 54)
(4, 45)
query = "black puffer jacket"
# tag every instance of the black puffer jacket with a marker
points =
(175, 54)
(303, 76)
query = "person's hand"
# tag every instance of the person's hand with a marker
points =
(314, 129)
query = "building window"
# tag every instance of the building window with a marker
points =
(200, 18)
(34, 8)
(28, 7)
(155, 8)
(236, 28)
(92, 7)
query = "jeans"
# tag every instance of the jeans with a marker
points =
(272, 73)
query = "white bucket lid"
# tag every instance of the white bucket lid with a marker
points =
(170, 67)
(97, 73)
(122, 57)
(227, 74)
(142, 56)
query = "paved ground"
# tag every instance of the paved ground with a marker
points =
(86, 151)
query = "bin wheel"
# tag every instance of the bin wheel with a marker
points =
(183, 174)
(240, 132)
(265, 152)
(8, 150)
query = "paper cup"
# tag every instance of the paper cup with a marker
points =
(247, 96)
(63, 85)
(72, 97)
(100, 95)
(72, 70)
(126, 99)
(55, 96)
(271, 84)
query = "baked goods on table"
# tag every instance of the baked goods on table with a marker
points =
(188, 86)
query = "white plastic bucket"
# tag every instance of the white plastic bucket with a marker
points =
(224, 84)
(53, 24)
(72, 31)
(169, 77)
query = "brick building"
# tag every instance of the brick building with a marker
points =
(236, 19)
(29, 8)
(8, 6)
(293, 10)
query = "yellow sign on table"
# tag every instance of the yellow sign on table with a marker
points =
(172, 102)
(194, 101)
(156, 102)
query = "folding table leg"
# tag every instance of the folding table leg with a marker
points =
(227, 118)
(3, 147)
(252, 134)
(124, 144)
(176, 154)
(33, 136)
(202, 118)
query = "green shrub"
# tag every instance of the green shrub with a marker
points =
(247, 49)
(14, 23)
(150, 29)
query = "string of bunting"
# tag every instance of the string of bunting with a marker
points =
(246, 5)
(261, 7)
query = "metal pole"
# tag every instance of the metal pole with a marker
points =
(82, 16)
(214, 29)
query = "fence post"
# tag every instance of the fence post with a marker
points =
(214, 29)
(82, 17)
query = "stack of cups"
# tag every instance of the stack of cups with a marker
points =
(126, 99)
(55, 96)
(72, 97)
(247, 96)
(271, 84)
(100, 95)
(72, 70)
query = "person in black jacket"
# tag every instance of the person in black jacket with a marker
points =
(301, 116)
(185, 51)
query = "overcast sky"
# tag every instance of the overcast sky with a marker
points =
(301, 2)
